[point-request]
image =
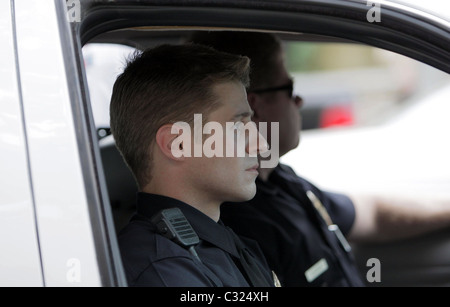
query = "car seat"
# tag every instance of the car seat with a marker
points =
(120, 182)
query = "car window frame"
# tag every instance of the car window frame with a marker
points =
(107, 250)
(400, 30)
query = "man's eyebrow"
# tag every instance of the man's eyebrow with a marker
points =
(243, 115)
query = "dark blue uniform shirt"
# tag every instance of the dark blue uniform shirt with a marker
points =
(149, 259)
(292, 234)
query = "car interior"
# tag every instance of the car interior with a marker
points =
(419, 261)
(119, 179)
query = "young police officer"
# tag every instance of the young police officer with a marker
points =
(300, 228)
(176, 237)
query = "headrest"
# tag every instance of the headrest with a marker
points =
(122, 187)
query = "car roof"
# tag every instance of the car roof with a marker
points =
(145, 23)
(438, 8)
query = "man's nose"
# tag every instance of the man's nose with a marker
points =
(298, 101)
(257, 145)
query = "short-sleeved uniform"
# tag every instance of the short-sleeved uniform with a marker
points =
(293, 235)
(150, 259)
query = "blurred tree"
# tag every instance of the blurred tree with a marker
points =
(306, 56)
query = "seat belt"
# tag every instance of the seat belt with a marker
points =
(326, 217)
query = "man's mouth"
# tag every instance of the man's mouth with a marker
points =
(254, 168)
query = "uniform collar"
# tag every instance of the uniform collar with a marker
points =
(268, 187)
(205, 227)
(280, 175)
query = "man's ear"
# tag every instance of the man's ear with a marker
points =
(169, 143)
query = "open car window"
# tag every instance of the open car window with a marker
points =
(103, 63)
(369, 115)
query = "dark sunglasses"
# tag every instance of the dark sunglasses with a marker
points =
(288, 87)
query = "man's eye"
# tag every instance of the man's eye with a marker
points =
(241, 124)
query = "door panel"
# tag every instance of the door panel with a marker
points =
(20, 263)
(62, 207)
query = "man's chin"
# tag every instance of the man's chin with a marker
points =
(297, 140)
(293, 146)
(246, 195)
